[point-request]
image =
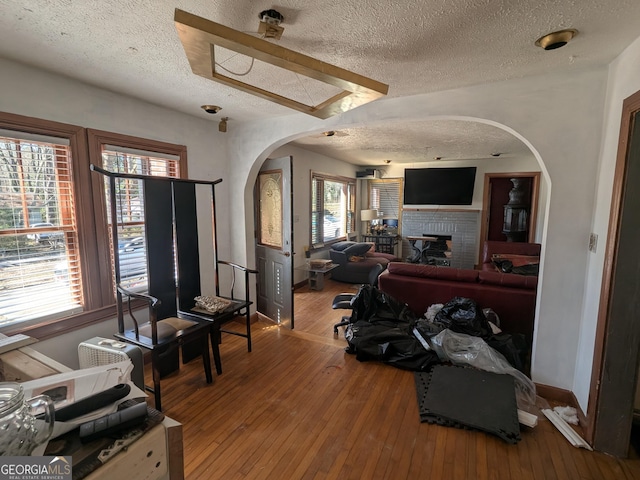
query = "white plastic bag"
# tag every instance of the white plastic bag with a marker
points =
(461, 349)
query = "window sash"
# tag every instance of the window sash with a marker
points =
(384, 196)
(333, 203)
(130, 208)
(40, 273)
(92, 245)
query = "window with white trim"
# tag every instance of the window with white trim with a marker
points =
(384, 196)
(333, 201)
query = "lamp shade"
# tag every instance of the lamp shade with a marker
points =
(368, 215)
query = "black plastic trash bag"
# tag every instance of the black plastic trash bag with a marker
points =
(513, 347)
(462, 315)
(390, 343)
(370, 303)
(381, 329)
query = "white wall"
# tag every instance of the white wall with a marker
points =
(31, 92)
(623, 81)
(559, 116)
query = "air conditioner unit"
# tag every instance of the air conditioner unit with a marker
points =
(100, 351)
(368, 174)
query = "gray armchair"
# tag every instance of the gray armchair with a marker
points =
(355, 261)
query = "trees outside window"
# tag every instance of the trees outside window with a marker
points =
(55, 253)
(39, 267)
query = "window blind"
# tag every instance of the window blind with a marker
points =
(130, 207)
(332, 208)
(384, 196)
(40, 272)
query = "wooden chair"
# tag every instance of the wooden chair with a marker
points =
(238, 306)
(173, 251)
(161, 337)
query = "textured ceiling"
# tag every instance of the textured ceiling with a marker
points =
(415, 46)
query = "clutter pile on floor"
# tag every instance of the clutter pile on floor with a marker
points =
(484, 387)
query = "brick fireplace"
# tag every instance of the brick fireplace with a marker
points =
(462, 225)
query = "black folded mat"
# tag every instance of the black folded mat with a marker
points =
(469, 398)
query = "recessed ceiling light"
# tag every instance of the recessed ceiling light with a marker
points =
(496, 154)
(212, 109)
(557, 39)
(329, 133)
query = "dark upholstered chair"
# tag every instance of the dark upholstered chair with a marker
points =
(344, 300)
(355, 261)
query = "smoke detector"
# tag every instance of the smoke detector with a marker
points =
(270, 21)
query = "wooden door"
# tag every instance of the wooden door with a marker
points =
(274, 240)
(617, 349)
(496, 195)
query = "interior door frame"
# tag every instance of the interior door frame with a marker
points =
(286, 250)
(610, 328)
(486, 204)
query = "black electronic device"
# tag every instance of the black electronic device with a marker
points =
(92, 402)
(113, 423)
(439, 186)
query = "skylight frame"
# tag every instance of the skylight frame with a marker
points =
(199, 37)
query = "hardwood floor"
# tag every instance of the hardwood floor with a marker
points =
(299, 407)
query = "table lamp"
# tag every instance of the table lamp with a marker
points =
(368, 216)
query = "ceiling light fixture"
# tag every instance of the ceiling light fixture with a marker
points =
(199, 36)
(269, 26)
(212, 109)
(496, 154)
(387, 161)
(222, 126)
(330, 133)
(557, 39)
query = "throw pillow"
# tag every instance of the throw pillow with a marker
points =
(341, 246)
(357, 249)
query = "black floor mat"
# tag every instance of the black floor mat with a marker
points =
(469, 398)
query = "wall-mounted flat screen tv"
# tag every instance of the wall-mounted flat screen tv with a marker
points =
(439, 186)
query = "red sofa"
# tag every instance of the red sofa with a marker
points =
(520, 253)
(511, 296)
